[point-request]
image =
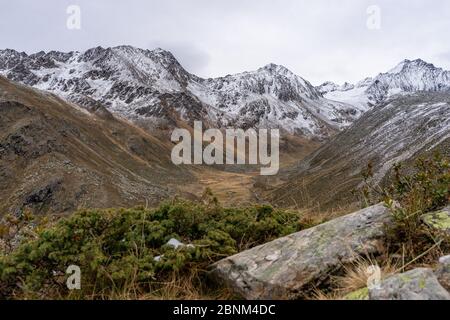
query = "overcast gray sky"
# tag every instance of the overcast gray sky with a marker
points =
(317, 39)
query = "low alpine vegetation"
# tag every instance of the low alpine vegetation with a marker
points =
(128, 253)
(410, 194)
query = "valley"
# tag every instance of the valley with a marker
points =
(203, 158)
(87, 160)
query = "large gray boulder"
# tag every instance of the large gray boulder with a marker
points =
(289, 267)
(417, 284)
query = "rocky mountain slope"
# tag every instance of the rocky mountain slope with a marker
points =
(56, 157)
(408, 76)
(153, 89)
(400, 129)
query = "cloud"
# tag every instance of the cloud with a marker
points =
(319, 40)
(191, 56)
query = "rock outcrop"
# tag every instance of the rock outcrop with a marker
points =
(442, 272)
(417, 284)
(291, 266)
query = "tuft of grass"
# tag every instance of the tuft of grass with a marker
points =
(356, 277)
(362, 271)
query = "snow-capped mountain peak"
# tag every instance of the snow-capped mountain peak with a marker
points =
(150, 86)
(364, 83)
(273, 96)
(406, 77)
(398, 68)
(326, 87)
(330, 86)
(413, 65)
(275, 68)
(272, 79)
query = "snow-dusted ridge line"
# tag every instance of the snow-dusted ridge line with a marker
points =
(407, 77)
(151, 86)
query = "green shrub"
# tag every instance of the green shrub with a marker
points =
(410, 193)
(116, 248)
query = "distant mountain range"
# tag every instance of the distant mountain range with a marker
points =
(408, 76)
(153, 89)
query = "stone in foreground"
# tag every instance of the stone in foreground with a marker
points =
(417, 284)
(289, 267)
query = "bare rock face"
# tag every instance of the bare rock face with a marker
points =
(289, 267)
(417, 284)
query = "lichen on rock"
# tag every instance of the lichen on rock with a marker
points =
(290, 267)
(361, 294)
(417, 284)
(438, 220)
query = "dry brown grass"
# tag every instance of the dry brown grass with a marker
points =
(325, 296)
(313, 216)
(355, 276)
(230, 188)
(187, 286)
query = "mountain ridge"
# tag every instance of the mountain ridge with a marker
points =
(152, 85)
(399, 130)
(406, 77)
